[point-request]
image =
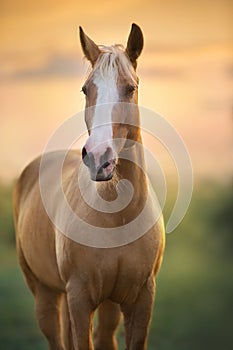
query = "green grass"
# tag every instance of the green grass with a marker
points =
(193, 307)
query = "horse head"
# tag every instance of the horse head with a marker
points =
(111, 112)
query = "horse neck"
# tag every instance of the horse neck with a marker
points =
(131, 166)
(91, 193)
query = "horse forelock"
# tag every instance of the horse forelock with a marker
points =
(113, 63)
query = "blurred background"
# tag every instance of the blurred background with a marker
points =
(186, 74)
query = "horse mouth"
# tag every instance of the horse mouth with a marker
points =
(104, 172)
(101, 177)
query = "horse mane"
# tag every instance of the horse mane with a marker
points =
(113, 62)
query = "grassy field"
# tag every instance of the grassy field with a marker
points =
(194, 302)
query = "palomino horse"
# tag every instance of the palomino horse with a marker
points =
(70, 280)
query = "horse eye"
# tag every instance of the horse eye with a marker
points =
(84, 90)
(129, 89)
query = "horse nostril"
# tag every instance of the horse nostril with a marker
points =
(105, 165)
(85, 156)
(84, 153)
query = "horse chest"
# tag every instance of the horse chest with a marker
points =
(123, 275)
(115, 273)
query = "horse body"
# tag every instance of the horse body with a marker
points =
(115, 280)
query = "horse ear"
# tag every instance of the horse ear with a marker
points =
(134, 44)
(90, 49)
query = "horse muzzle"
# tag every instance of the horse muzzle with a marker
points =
(105, 170)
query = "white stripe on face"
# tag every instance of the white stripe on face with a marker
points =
(102, 133)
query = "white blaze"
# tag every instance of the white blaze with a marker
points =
(102, 133)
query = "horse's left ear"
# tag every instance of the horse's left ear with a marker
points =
(134, 44)
(90, 49)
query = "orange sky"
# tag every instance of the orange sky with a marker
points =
(186, 71)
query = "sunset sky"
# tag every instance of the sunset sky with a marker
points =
(185, 70)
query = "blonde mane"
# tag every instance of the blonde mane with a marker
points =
(113, 62)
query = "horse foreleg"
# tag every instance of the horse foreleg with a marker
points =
(47, 313)
(109, 316)
(66, 325)
(81, 314)
(137, 318)
(47, 303)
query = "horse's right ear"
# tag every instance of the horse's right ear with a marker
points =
(134, 44)
(90, 49)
